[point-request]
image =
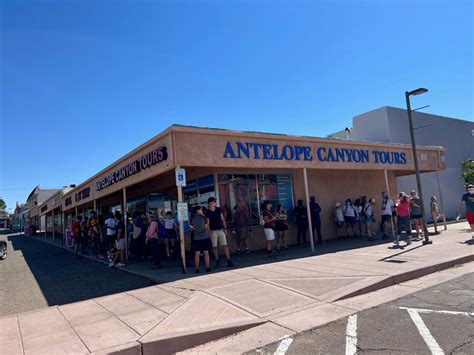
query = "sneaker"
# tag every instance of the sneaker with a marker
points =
(111, 264)
(120, 265)
(208, 269)
(247, 251)
(218, 263)
(408, 242)
(238, 252)
(230, 263)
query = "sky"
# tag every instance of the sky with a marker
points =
(85, 82)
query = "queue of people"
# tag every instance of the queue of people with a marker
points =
(157, 235)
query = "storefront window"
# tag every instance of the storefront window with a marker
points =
(136, 205)
(196, 192)
(248, 191)
(160, 202)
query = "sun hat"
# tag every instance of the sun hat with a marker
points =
(338, 204)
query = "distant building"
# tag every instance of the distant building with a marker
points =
(36, 198)
(390, 124)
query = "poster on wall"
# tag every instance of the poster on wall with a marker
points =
(285, 193)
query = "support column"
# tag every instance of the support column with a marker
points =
(52, 220)
(310, 223)
(181, 230)
(387, 187)
(125, 220)
(441, 201)
(95, 208)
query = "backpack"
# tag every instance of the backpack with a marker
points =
(75, 229)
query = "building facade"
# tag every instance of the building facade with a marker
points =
(390, 125)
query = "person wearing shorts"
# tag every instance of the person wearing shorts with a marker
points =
(171, 233)
(403, 218)
(415, 213)
(387, 210)
(268, 221)
(202, 242)
(217, 229)
(121, 240)
(468, 200)
(350, 217)
(110, 225)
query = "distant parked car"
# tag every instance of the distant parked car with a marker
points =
(3, 250)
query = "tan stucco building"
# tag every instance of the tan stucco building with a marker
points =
(244, 168)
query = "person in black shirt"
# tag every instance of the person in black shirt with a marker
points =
(301, 219)
(315, 218)
(217, 230)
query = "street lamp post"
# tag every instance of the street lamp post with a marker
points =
(418, 91)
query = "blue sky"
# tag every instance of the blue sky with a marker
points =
(84, 82)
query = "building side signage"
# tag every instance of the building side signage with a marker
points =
(261, 151)
(84, 193)
(146, 161)
(44, 208)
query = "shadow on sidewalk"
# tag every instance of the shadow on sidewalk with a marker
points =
(61, 278)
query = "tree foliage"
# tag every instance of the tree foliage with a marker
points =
(3, 207)
(468, 171)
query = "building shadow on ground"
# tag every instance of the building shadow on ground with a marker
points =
(63, 279)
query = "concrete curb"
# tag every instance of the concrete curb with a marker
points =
(407, 276)
(169, 344)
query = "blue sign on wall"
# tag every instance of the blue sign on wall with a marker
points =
(258, 151)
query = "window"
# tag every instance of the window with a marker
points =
(196, 192)
(248, 191)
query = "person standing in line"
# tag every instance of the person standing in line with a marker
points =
(301, 219)
(94, 238)
(110, 225)
(415, 213)
(339, 220)
(468, 199)
(152, 238)
(241, 224)
(403, 218)
(434, 213)
(171, 233)
(217, 228)
(85, 234)
(76, 230)
(362, 216)
(268, 221)
(370, 213)
(349, 217)
(139, 233)
(281, 226)
(387, 210)
(202, 241)
(121, 238)
(315, 218)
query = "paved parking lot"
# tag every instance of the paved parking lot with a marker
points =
(36, 275)
(437, 320)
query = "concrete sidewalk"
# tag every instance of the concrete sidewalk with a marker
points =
(274, 299)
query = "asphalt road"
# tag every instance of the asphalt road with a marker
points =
(389, 328)
(37, 275)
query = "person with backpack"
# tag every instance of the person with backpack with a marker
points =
(76, 231)
(121, 238)
(152, 238)
(281, 226)
(241, 223)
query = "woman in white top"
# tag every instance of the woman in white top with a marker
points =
(339, 219)
(435, 213)
(350, 215)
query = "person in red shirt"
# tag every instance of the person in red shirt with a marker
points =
(76, 231)
(403, 217)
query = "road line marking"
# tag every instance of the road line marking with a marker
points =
(424, 332)
(351, 335)
(284, 345)
(421, 310)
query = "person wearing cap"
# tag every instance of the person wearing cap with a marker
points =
(110, 225)
(468, 200)
(217, 229)
(403, 218)
(339, 220)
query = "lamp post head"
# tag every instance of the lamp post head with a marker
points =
(418, 91)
